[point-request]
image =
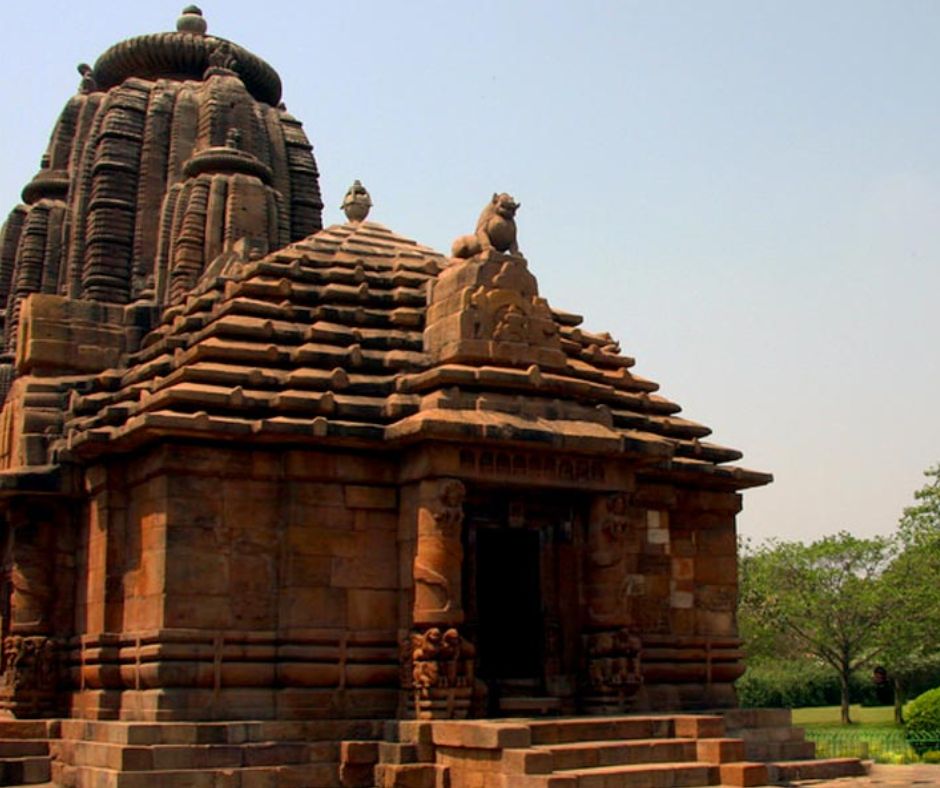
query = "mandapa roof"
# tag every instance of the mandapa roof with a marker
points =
(321, 343)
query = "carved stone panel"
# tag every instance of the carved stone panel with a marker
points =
(439, 553)
(438, 673)
(614, 531)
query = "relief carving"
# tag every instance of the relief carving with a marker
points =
(613, 663)
(30, 664)
(612, 560)
(437, 563)
(439, 672)
(28, 566)
(606, 537)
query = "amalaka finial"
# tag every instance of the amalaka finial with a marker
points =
(357, 202)
(191, 21)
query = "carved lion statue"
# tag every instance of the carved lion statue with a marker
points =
(496, 229)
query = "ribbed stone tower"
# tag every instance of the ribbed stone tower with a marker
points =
(175, 147)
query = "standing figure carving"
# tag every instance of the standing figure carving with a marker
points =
(611, 651)
(439, 555)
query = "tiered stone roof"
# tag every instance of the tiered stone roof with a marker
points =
(323, 342)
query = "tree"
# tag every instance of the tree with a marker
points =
(825, 597)
(910, 633)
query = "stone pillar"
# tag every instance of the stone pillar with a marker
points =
(610, 648)
(441, 661)
(30, 661)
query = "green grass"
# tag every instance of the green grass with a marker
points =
(861, 716)
(873, 734)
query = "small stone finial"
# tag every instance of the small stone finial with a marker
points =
(191, 21)
(357, 202)
(88, 83)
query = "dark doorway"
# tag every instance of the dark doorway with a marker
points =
(509, 604)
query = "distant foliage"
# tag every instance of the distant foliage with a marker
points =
(847, 603)
(792, 684)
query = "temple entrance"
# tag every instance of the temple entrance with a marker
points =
(509, 605)
(521, 597)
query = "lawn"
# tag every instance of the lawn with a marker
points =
(828, 717)
(873, 733)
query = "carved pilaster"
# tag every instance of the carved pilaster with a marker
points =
(610, 648)
(439, 554)
(437, 662)
(30, 672)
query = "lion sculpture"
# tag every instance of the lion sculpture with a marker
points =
(496, 230)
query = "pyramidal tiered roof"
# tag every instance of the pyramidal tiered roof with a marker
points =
(325, 342)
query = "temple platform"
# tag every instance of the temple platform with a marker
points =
(656, 751)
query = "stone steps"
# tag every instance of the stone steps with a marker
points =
(251, 754)
(193, 756)
(779, 751)
(644, 775)
(27, 770)
(820, 769)
(580, 755)
(21, 748)
(653, 751)
(25, 758)
(297, 776)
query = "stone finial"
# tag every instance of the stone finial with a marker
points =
(496, 230)
(192, 21)
(357, 202)
(88, 83)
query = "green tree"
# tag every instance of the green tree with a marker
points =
(910, 632)
(824, 599)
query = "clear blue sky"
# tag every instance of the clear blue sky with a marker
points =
(745, 194)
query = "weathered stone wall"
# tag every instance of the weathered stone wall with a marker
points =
(227, 582)
(686, 616)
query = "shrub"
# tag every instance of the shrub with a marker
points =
(786, 684)
(931, 756)
(793, 684)
(922, 721)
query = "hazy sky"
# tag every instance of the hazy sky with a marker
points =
(745, 194)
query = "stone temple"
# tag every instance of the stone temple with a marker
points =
(292, 505)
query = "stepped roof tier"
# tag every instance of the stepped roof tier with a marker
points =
(335, 340)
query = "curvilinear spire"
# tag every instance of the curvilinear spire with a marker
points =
(140, 187)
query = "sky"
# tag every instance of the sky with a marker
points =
(745, 194)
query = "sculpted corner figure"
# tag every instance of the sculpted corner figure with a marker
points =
(496, 229)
